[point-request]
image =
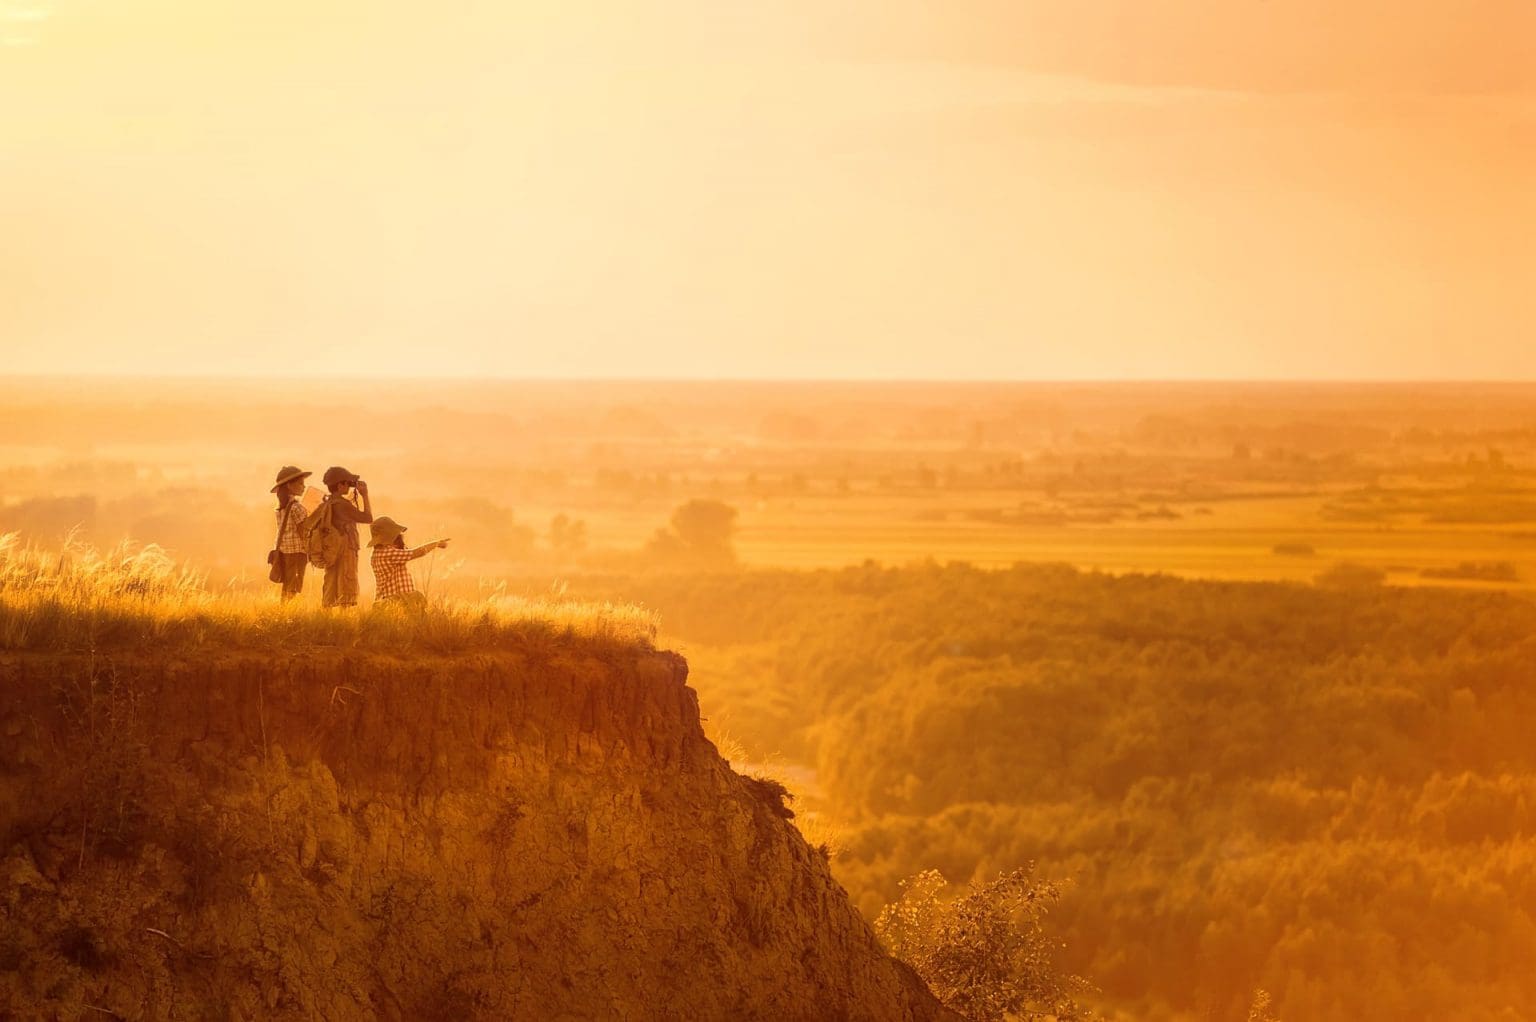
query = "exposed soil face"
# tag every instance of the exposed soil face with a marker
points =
(538, 834)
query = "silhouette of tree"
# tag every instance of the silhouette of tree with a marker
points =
(700, 532)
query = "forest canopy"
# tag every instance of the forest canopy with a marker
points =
(1327, 793)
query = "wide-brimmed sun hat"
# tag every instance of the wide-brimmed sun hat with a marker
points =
(384, 531)
(336, 474)
(287, 474)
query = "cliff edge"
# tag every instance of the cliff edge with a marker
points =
(540, 833)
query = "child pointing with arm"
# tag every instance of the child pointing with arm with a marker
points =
(390, 561)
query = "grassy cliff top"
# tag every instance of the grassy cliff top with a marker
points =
(81, 599)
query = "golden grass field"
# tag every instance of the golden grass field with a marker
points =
(1236, 541)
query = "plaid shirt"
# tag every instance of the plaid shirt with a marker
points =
(290, 540)
(391, 577)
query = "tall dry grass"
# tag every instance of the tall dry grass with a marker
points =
(78, 598)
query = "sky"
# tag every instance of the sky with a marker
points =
(965, 189)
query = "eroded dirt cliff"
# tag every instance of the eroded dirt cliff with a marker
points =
(534, 834)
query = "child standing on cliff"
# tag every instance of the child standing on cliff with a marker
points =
(390, 561)
(340, 513)
(290, 547)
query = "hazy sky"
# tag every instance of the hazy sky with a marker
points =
(789, 188)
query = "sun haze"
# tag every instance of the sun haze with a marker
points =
(981, 189)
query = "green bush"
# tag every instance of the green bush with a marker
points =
(985, 953)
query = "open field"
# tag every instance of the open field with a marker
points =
(1235, 540)
(1426, 484)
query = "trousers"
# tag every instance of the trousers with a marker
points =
(293, 574)
(341, 580)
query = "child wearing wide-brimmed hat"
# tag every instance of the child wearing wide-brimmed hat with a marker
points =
(292, 555)
(390, 560)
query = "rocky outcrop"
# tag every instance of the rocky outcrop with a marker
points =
(517, 834)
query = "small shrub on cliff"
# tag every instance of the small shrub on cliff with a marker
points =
(771, 793)
(985, 953)
(1261, 1009)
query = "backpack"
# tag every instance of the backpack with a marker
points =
(323, 540)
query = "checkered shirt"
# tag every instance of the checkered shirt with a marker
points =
(290, 540)
(390, 575)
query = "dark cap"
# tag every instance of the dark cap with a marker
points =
(336, 474)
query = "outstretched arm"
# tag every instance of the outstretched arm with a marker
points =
(426, 548)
